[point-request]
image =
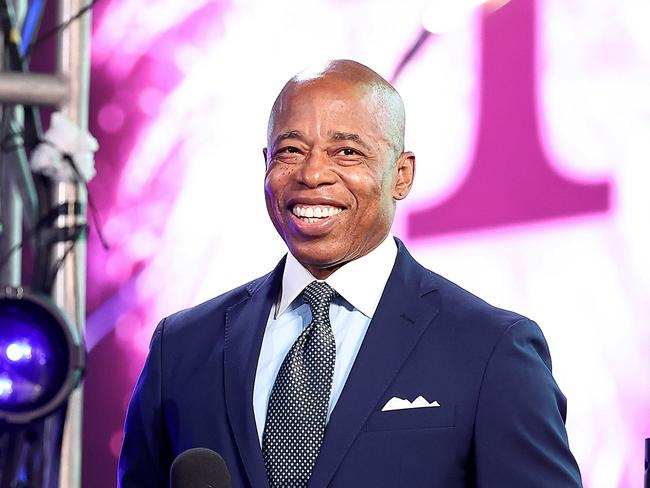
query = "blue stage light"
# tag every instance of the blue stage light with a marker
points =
(19, 351)
(41, 357)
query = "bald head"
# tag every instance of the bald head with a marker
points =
(344, 74)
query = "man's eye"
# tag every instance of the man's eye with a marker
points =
(348, 151)
(288, 153)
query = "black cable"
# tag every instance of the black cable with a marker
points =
(93, 209)
(40, 225)
(49, 282)
(78, 229)
(7, 256)
(59, 28)
(16, 140)
(10, 142)
(14, 61)
(47, 219)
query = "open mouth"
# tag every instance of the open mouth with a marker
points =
(314, 213)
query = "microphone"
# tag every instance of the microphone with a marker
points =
(199, 468)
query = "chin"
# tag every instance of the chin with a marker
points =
(320, 254)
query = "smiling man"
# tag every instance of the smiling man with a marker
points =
(349, 364)
(336, 165)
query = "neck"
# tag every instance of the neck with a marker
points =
(322, 272)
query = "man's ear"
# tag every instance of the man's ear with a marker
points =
(264, 153)
(405, 167)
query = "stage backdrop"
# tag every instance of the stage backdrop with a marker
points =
(531, 124)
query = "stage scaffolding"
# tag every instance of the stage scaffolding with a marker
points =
(66, 90)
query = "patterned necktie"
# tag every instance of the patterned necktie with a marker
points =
(295, 420)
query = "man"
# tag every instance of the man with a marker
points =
(349, 364)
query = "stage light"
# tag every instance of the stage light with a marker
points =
(41, 356)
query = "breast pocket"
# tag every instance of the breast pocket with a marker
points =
(413, 419)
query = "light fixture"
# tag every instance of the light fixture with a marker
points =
(41, 356)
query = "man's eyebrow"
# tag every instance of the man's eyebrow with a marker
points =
(348, 136)
(292, 134)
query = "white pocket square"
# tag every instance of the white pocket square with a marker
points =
(396, 403)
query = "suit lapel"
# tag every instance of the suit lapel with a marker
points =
(405, 311)
(244, 330)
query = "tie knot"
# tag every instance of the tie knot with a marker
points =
(319, 295)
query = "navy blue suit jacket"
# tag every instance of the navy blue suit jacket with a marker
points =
(500, 422)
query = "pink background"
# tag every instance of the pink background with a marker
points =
(531, 124)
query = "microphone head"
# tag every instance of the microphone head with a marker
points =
(199, 468)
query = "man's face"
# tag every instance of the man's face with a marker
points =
(331, 174)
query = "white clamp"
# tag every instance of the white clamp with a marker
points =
(65, 139)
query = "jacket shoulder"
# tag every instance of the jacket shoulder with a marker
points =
(458, 307)
(467, 305)
(212, 310)
(481, 326)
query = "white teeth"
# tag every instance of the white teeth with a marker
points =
(312, 213)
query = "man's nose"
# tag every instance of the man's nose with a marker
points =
(316, 170)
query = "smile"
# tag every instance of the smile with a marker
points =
(314, 213)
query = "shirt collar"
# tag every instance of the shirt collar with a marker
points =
(361, 281)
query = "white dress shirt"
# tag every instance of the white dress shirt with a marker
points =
(359, 283)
